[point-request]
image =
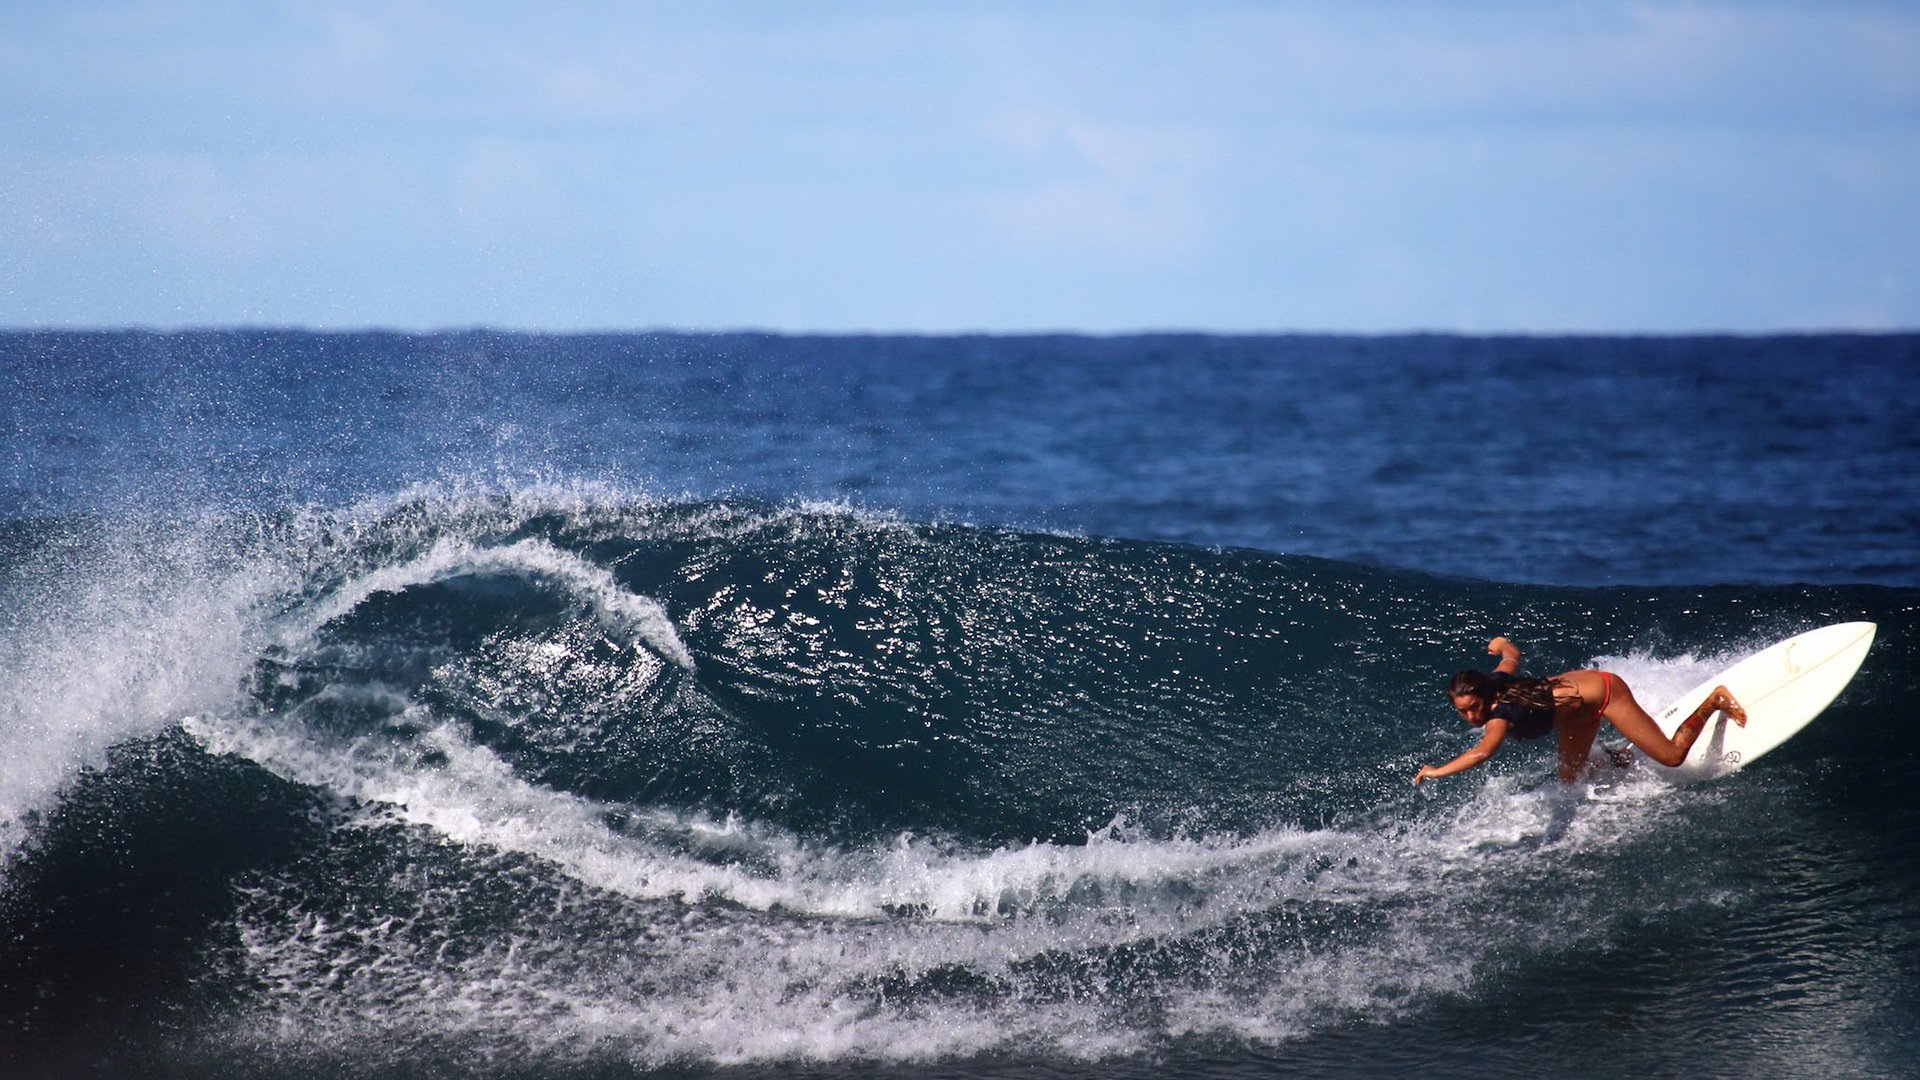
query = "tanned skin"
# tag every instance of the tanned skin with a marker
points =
(1577, 714)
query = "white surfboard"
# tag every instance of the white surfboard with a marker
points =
(1783, 687)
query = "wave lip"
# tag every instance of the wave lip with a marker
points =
(111, 634)
(617, 609)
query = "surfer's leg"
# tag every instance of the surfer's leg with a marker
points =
(1689, 730)
(1576, 744)
(1627, 717)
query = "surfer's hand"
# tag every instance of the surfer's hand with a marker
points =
(1497, 645)
(1423, 774)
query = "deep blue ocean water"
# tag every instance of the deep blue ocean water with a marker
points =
(485, 704)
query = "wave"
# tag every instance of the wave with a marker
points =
(568, 774)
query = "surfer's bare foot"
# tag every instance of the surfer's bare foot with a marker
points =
(1725, 702)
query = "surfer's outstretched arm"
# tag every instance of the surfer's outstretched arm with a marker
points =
(1509, 655)
(1490, 739)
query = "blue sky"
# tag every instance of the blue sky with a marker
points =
(990, 166)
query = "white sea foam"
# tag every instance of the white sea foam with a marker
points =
(466, 794)
(716, 986)
(793, 962)
(1657, 681)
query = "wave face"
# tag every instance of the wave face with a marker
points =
(566, 780)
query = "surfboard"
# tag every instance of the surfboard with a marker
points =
(1783, 687)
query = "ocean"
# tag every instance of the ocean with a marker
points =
(483, 704)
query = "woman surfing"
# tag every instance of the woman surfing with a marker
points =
(1501, 703)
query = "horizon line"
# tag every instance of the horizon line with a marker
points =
(753, 331)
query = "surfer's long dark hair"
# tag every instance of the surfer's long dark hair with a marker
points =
(1527, 693)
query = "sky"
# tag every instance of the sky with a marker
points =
(1475, 166)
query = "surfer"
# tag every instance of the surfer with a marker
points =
(1501, 703)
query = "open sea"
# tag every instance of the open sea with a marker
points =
(745, 706)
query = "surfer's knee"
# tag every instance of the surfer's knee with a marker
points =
(1670, 756)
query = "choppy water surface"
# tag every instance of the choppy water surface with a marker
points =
(520, 706)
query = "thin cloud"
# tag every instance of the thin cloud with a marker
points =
(994, 166)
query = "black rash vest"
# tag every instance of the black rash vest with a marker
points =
(1523, 721)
